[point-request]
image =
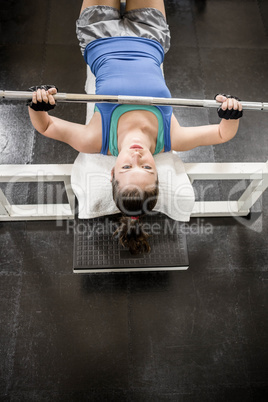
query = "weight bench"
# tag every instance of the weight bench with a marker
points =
(100, 252)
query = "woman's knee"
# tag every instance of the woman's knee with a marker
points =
(135, 4)
(91, 3)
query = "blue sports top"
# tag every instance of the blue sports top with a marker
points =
(128, 66)
(117, 113)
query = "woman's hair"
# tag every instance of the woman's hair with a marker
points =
(134, 203)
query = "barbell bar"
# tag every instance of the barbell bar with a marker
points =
(130, 100)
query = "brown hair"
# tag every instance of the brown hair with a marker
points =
(134, 203)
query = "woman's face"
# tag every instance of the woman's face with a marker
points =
(135, 167)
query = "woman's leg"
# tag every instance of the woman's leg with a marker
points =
(134, 4)
(90, 3)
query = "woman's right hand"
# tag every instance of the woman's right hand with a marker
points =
(42, 98)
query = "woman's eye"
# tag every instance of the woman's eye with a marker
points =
(126, 167)
(147, 167)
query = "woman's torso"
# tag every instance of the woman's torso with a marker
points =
(127, 66)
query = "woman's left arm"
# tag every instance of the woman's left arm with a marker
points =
(187, 138)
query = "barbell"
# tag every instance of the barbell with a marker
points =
(130, 100)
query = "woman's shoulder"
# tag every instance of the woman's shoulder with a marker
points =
(175, 131)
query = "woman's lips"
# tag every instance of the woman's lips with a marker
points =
(135, 146)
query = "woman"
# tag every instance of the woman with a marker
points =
(126, 54)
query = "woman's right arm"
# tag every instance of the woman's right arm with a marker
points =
(78, 136)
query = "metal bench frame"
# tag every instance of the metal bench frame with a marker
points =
(257, 173)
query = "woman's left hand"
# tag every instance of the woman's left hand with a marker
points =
(231, 108)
